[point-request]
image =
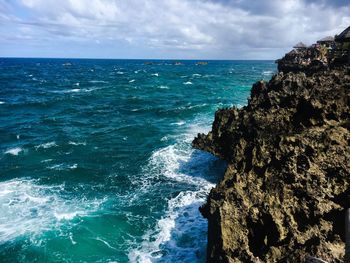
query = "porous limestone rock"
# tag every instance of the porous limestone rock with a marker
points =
(284, 193)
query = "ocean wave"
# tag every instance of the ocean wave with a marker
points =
(63, 167)
(76, 143)
(75, 90)
(179, 123)
(46, 145)
(2, 102)
(131, 81)
(163, 87)
(28, 208)
(267, 72)
(98, 81)
(14, 151)
(188, 83)
(155, 74)
(180, 235)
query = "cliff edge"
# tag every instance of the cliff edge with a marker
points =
(284, 193)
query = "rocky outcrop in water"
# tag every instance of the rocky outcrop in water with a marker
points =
(286, 187)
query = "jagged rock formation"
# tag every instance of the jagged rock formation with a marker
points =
(286, 186)
(306, 61)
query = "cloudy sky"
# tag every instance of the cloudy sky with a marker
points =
(188, 29)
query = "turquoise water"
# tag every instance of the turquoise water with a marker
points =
(96, 162)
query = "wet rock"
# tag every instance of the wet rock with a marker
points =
(286, 187)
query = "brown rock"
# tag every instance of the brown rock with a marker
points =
(286, 187)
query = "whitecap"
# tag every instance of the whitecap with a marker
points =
(46, 160)
(66, 216)
(46, 145)
(267, 73)
(188, 83)
(98, 81)
(179, 123)
(76, 143)
(164, 87)
(63, 167)
(155, 74)
(131, 81)
(28, 208)
(2, 102)
(73, 90)
(76, 84)
(14, 151)
(164, 138)
(196, 75)
(120, 73)
(73, 166)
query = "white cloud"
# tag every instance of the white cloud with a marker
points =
(216, 29)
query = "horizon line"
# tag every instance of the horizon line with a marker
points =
(87, 58)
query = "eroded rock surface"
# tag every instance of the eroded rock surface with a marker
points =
(283, 196)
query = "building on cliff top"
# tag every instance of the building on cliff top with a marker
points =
(343, 36)
(327, 42)
(300, 45)
(343, 40)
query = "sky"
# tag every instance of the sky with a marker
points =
(166, 29)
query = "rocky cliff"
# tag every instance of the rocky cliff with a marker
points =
(286, 187)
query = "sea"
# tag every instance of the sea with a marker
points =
(96, 163)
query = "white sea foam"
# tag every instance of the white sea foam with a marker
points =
(2, 102)
(46, 160)
(76, 84)
(98, 81)
(28, 208)
(155, 74)
(66, 216)
(164, 87)
(63, 167)
(76, 143)
(76, 90)
(120, 72)
(179, 123)
(73, 90)
(196, 75)
(46, 145)
(106, 243)
(131, 81)
(188, 83)
(163, 139)
(180, 235)
(267, 73)
(14, 151)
